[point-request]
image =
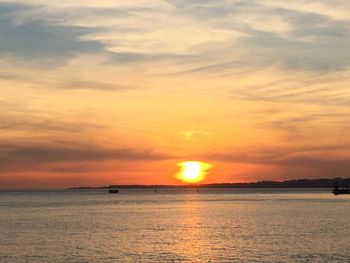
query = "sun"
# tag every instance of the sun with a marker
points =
(193, 171)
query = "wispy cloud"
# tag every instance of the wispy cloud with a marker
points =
(89, 85)
(297, 87)
(309, 35)
(33, 157)
(40, 40)
(298, 162)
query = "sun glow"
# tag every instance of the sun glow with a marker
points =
(193, 171)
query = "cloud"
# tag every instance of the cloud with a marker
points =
(41, 124)
(19, 157)
(22, 74)
(187, 135)
(90, 85)
(296, 162)
(24, 122)
(295, 87)
(68, 153)
(39, 39)
(314, 43)
(301, 125)
(334, 9)
(308, 35)
(41, 140)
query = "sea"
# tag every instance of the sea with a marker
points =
(174, 225)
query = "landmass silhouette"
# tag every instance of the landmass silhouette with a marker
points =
(298, 183)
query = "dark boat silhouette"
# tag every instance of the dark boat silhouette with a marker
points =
(340, 190)
(113, 191)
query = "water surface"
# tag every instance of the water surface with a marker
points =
(175, 225)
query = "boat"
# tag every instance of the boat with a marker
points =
(113, 191)
(340, 190)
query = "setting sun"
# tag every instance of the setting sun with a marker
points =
(192, 171)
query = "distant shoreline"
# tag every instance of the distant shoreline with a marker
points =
(300, 183)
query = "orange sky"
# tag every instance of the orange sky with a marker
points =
(107, 92)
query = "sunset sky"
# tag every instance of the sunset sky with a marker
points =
(121, 92)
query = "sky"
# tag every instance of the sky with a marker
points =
(121, 92)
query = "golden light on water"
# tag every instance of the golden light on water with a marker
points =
(192, 171)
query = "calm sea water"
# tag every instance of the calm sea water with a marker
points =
(174, 225)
